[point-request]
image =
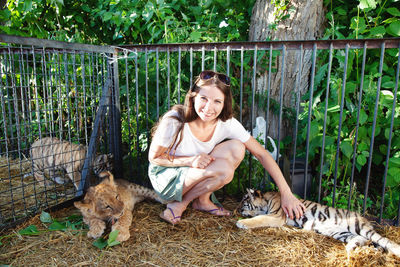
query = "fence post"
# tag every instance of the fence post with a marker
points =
(115, 117)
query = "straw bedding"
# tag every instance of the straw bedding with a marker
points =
(21, 195)
(199, 240)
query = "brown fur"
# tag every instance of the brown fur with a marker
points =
(112, 202)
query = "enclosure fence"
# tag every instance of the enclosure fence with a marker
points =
(327, 110)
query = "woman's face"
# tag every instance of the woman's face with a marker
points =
(209, 103)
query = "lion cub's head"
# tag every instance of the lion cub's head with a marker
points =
(102, 201)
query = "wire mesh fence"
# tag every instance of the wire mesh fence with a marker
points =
(327, 109)
(49, 99)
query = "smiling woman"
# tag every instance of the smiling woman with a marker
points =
(197, 147)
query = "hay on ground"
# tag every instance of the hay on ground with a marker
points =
(199, 240)
(20, 193)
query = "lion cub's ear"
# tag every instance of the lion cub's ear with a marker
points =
(81, 206)
(107, 175)
(86, 204)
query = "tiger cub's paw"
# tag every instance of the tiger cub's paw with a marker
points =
(242, 224)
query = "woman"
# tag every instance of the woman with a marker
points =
(197, 147)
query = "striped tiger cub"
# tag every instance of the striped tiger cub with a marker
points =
(51, 154)
(346, 226)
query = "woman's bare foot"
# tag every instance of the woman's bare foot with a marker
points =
(172, 213)
(210, 208)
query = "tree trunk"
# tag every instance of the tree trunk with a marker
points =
(305, 22)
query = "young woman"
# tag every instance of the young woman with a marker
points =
(197, 147)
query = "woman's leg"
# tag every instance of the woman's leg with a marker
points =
(232, 153)
(200, 183)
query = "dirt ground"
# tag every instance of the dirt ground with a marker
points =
(199, 240)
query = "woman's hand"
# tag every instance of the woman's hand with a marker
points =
(202, 161)
(292, 206)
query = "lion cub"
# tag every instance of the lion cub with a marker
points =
(112, 201)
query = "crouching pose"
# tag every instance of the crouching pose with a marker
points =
(196, 148)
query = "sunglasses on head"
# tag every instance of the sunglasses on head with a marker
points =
(208, 74)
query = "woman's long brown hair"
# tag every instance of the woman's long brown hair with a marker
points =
(187, 112)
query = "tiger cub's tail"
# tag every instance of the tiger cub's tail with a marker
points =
(385, 243)
(365, 229)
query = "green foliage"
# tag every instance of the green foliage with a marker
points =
(369, 19)
(111, 241)
(71, 223)
(127, 21)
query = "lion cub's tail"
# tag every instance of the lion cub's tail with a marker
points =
(145, 192)
(136, 190)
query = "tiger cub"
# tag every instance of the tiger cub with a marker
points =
(51, 154)
(346, 226)
(112, 201)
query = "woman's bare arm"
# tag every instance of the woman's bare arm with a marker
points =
(290, 204)
(158, 156)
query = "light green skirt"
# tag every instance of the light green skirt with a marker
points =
(168, 181)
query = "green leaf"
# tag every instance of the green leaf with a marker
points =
(357, 23)
(79, 19)
(321, 74)
(45, 217)
(346, 148)
(361, 159)
(341, 11)
(30, 230)
(377, 159)
(393, 11)
(107, 16)
(394, 28)
(148, 11)
(75, 217)
(314, 129)
(367, 4)
(86, 8)
(394, 161)
(27, 5)
(386, 98)
(100, 243)
(383, 149)
(378, 31)
(56, 226)
(114, 243)
(388, 84)
(195, 36)
(363, 117)
(394, 176)
(350, 87)
(334, 108)
(5, 14)
(112, 238)
(61, 2)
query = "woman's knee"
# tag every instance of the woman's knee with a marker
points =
(237, 151)
(225, 173)
(232, 150)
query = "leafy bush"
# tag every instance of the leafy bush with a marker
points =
(369, 19)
